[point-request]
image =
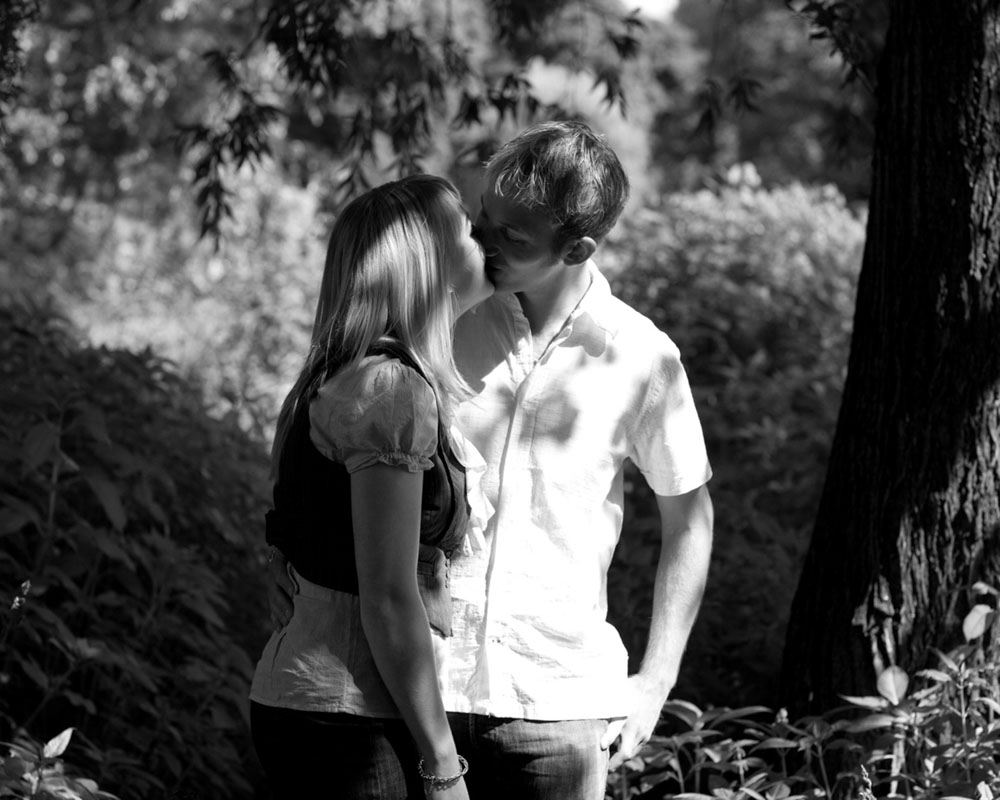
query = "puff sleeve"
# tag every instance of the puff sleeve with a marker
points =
(380, 411)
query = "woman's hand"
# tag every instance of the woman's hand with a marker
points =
(456, 792)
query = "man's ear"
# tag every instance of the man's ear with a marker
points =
(576, 251)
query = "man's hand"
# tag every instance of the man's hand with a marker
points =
(634, 731)
(280, 589)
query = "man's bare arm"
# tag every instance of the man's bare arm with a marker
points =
(686, 523)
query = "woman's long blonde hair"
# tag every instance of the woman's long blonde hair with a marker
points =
(386, 275)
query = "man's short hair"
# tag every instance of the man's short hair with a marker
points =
(568, 171)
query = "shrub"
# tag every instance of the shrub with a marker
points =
(939, 742)
(756, 287)
(33, 770)
(943, 739)
(135, 516)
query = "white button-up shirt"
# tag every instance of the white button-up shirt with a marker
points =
(531, 636)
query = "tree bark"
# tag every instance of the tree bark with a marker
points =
(910, 515)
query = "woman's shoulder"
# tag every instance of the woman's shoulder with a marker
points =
(373, 377)
(378, 404)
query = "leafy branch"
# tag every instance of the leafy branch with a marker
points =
(15, 16)
(843, 24)
(384, 82)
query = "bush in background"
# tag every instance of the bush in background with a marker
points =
(756, 287)
(235, 319)
(136, 518)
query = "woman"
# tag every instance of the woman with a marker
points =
(370, 499)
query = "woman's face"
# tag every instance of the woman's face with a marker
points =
(468, 270)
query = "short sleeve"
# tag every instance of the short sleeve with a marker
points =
(380, 411)
(668, 446)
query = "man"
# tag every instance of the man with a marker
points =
(569, 382)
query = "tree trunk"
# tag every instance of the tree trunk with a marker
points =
(910, 515)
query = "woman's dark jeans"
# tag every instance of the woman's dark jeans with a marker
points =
(312, 754)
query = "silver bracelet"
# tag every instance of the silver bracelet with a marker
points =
(436, 782)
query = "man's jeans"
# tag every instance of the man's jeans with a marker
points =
(531, 760)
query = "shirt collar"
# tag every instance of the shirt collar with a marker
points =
(595, 308)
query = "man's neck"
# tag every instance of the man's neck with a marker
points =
(547, 307)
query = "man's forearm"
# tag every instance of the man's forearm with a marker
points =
(681, 573)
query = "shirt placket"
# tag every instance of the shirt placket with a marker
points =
(527, 381)
(519, 363)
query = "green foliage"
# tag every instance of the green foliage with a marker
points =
(14, 16)
(379, 77)
(236, 319)
(748, 753)
(855, 29)
(939, 742)
(350, 93)
(103, 88)
(135, 516)
(34, 770)
(756, 288)
(771, 94)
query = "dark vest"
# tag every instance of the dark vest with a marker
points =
(311, 519)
